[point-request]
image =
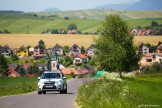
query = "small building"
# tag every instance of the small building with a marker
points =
(39, 52)
(91, 49)
(12, 71)
(68, 71)
(153, 57)
(72, 32)
(22, 52)
(159, 49)
(57, 48)
(6, 51)
(143, 49)
(75, 49)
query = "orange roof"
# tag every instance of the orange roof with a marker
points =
(81, 55)
(70, 70)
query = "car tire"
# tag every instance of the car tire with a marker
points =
(39, 92)
(62, 91)
(44, 92)
(65, 91)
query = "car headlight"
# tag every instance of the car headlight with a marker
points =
(40, 83)
(58, 82)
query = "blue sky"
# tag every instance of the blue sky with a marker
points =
(39, 5)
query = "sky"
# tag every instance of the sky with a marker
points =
(39, 5)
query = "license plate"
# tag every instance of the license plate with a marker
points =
(49, 86)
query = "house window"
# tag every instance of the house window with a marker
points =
(145, 49)
(148, 60)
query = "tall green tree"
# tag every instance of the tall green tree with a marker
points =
(41, 43)
(21, 71)
(72, 27)
(115, 46)
(3, 65)
(83, 50)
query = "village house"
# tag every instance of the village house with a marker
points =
(6, 51)
(62, 31)
(72, 32)
(75, 50)
(159, 49)
(143, 49)
(153, 57)
(90, 50)
(39, 52)
(56, 49)
(68, 71)
(12, 71)
(79, 59)
(22, 52)
(142, 32)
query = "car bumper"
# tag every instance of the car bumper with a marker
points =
(49, 88)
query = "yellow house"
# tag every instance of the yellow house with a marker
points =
(22, 52)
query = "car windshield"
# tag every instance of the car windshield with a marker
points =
(51, 75)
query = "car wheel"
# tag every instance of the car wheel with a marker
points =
(44, 92)
(62, 91)
(65, 91)
(39, 92)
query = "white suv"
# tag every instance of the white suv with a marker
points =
(52, 81)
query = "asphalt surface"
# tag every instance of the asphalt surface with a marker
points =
(49, 100)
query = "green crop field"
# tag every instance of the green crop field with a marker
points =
(86, 21)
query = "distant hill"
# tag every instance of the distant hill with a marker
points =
(113, 6)
(10, 11)
(147, 5)
(101, 13)
(51, 10)
(140, 5)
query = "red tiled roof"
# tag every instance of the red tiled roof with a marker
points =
(81, 56)
(30, 75)
(69, 70)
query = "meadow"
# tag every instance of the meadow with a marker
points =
(28, 23)
(20, 85)
(17, 40)
(140, 91)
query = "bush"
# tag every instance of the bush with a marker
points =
(155, 68)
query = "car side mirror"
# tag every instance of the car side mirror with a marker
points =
(64, 77)
(38, 78)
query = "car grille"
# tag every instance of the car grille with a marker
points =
(49, 87)
(49, 82)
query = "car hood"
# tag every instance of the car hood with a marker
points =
(46, 80)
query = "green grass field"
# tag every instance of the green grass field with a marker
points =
(17, 23)
(130, 93)
(20, 85)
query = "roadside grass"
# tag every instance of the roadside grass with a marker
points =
(126, 93)
(19, 85)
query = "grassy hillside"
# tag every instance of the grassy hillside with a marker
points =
(17, 40)
(17, 23)
(100, 14)
(88, 20)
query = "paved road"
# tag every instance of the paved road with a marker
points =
(49, 100)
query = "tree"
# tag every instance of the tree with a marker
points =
(82, 50)
(154, 24)
(159, 43)
(72, 27)
(54, 31)
(66, 18)
(0, 32)
(66, 49)
(6, 31)
(21, 71)
(35, 69)
(3, 65)
(41, 43)
(115, 50)
(14, 57)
